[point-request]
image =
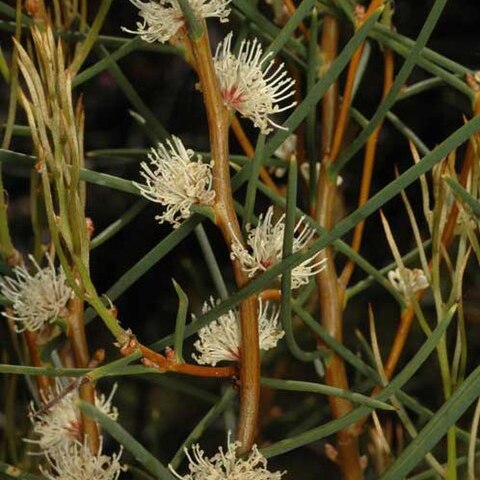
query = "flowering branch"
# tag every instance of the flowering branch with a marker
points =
(218, 123)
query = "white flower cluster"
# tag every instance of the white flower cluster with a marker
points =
(226, 465)
(78, 463)
(62, 422)
(36, 299)
(251, 84)
(220, 340)
(60, 437)
(176, 181)
(266, 245)
(415, 280)
(163, 18)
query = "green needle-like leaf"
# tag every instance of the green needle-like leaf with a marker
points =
(141, 454)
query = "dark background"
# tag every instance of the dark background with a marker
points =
(158, 415)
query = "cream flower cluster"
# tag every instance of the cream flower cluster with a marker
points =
(220, 340)
(226, 465)
(62, 422)
(60, 437)
(36, 299)
(163, 18)
(77, 462)
(415, 280)
(176, 181)
(251, 84)
(266, 248)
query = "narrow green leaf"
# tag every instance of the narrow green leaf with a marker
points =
(119, 223)
(147, 262)
(400, 80)
(211, 262)
(141, 454)
(202, 426)
(46, 371)
(427, 53)
(397, 383)
(253, 181)
(338, 347)
(194, 27)
(436, 428)
(296, 386)
(117, 366)
(90, 176)
(317, 92)
(84, 48)
(11, 13)
(420, 87)
(286, 33)
(286, 301)
(463, 196)
(265, 26)
(153, 124)
(311, 122)
(180, 321)
(103, 64)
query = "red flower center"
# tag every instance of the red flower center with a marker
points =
(233, 97)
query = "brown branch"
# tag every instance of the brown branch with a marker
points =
(218, 125)
(343, 115)
(43, 382)
(78, 340)
(348, 458)
(169, 363)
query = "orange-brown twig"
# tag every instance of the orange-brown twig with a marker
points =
(227, 221)
(43, 383)
(348, 458)
(78, 341)
(343, 115)
(368, 162)
(169, 363)
(291, 9)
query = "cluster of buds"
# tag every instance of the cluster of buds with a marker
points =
(406, 279)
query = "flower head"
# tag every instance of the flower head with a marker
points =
(226, 465)
(36, 299)
(163, 18)
(250, 83)
(61, 424)
(76, 462)
(220, 340)
(408, 279)
(266, 245)
(176, 181)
